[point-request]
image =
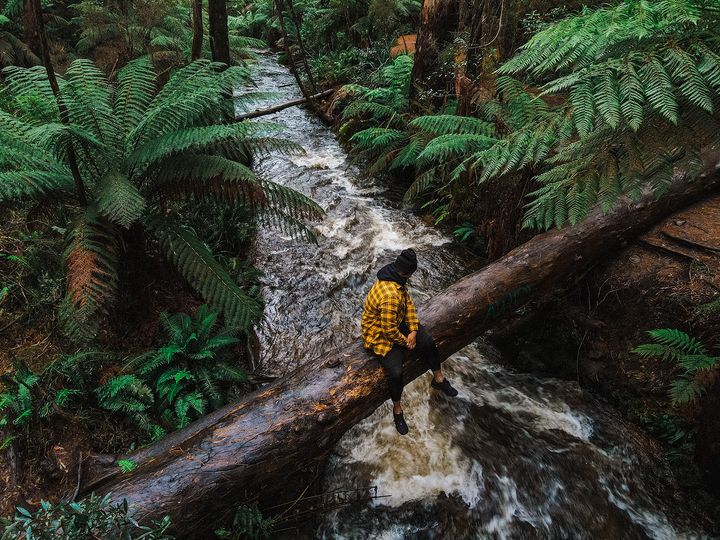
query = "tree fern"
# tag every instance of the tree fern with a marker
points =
(620, 75)
(142, 151)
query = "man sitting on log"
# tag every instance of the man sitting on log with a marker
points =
(390, 328)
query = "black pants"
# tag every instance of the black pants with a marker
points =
(393, 360)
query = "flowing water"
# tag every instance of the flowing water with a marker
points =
(513, 456)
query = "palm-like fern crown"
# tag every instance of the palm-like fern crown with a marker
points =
(139, 149)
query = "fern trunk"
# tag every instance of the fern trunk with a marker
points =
(31, 31)
(200, 472)
(219, 38)
(197, 30)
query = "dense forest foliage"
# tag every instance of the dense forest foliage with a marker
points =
(129, 199)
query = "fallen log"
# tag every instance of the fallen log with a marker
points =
(282, 106)
(198, 473)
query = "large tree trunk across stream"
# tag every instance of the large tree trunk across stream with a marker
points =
(196, 474)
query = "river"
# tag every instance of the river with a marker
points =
(513, 456)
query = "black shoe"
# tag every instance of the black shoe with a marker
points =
(400, 424)
(445, 387)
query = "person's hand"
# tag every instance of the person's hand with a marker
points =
(412, 340)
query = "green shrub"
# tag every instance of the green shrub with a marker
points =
(248, 523)
(177, 383)
(92, 517)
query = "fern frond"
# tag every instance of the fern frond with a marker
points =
(29, 82)
(377, 138)
(197, 139)
(289, 226)
(407, 156)
(29, 184)
(197, 265)
(91, 260)
(448, 124)
(422, 182)
(678, 340)
(685, 391)
(87, 95)
(135, 91)
(199, 93)
(290, 202)
(445, 148)
(118, 200)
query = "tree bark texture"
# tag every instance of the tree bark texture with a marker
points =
(31, 34)
(197, 21)
(197, 474)
(219, 38)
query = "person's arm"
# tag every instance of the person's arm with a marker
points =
(389, 321)
(411, 318)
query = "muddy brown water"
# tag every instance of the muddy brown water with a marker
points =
(513, 456)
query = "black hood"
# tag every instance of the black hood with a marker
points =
(390, 273)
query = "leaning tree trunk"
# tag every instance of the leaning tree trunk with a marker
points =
(197, 22)
(219, 39)
(196, 474)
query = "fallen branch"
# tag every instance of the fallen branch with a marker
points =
(196, 474)
(282, 106)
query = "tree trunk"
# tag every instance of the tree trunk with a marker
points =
(292, 64)
(197, 474)
(276, 108)
(31, 34)
(303, 53)
(34, 18)
(197, 21)
(219, 39)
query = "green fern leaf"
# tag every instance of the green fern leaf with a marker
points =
(118, 200)
(198, 266)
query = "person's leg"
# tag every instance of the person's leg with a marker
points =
(427, 350)
(392, 364)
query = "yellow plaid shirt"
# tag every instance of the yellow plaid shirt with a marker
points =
(387, 305)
